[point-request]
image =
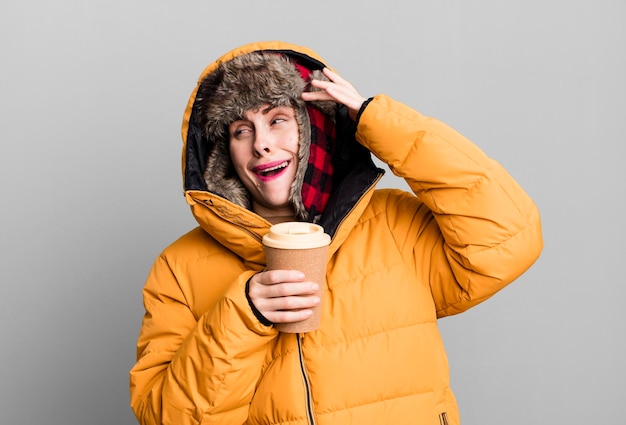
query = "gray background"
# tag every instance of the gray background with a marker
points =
(91, 101)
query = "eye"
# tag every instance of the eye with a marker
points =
(280, 117)
(237, 131)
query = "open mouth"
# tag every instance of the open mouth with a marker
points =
(272, 170)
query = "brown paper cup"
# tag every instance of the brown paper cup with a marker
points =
(303, 247)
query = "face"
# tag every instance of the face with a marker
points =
(264, 151)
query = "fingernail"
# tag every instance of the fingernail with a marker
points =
(315, 287)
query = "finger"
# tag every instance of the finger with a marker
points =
(288, 316)
(289, 289)
(330, 91)
(313, 96)
(289, 303)
(339, 85)
(329, 85)
(272, 277)
(337, 90)
(334, 77)
(288, 309)
(272, 285)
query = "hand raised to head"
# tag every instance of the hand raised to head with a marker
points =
(336, 90)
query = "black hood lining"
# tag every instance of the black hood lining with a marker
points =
(196, 154)
(355, 172)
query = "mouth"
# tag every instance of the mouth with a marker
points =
(267, 171)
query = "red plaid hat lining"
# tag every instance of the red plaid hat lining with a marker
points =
(317, 185)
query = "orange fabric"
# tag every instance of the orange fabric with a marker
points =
(397, 262)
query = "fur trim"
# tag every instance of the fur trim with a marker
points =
(242, 84)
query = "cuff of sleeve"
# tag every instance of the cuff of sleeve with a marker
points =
(256, 312)
(362, 108)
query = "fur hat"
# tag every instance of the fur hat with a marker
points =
(242, 84)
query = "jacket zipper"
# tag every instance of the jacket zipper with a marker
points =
(443, 419)
(248, 231)
(209, 203)
(305, 377)
(307, 385)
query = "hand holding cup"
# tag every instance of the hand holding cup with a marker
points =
(298, 251)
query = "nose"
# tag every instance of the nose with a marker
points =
(263, 142)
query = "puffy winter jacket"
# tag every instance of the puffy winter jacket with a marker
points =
(397, 262)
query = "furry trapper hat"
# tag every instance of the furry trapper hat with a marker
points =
(246, 83)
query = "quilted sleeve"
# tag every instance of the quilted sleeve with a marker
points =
(486, 230)
(194, 370)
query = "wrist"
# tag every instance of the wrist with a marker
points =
(362, 108)
(255, 311)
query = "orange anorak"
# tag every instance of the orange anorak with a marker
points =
(398, 261)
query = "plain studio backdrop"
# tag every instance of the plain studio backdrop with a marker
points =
(91, 101)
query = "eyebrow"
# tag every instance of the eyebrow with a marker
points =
(268, 109)
(264, 111)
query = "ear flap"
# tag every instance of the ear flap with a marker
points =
(221, 178)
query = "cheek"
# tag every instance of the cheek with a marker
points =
(295, 145)
(237, 156)
(294, 142)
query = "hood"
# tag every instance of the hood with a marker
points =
(208, 179)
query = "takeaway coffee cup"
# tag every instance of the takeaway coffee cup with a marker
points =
(299, 246)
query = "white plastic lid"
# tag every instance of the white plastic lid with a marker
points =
(296, 235)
